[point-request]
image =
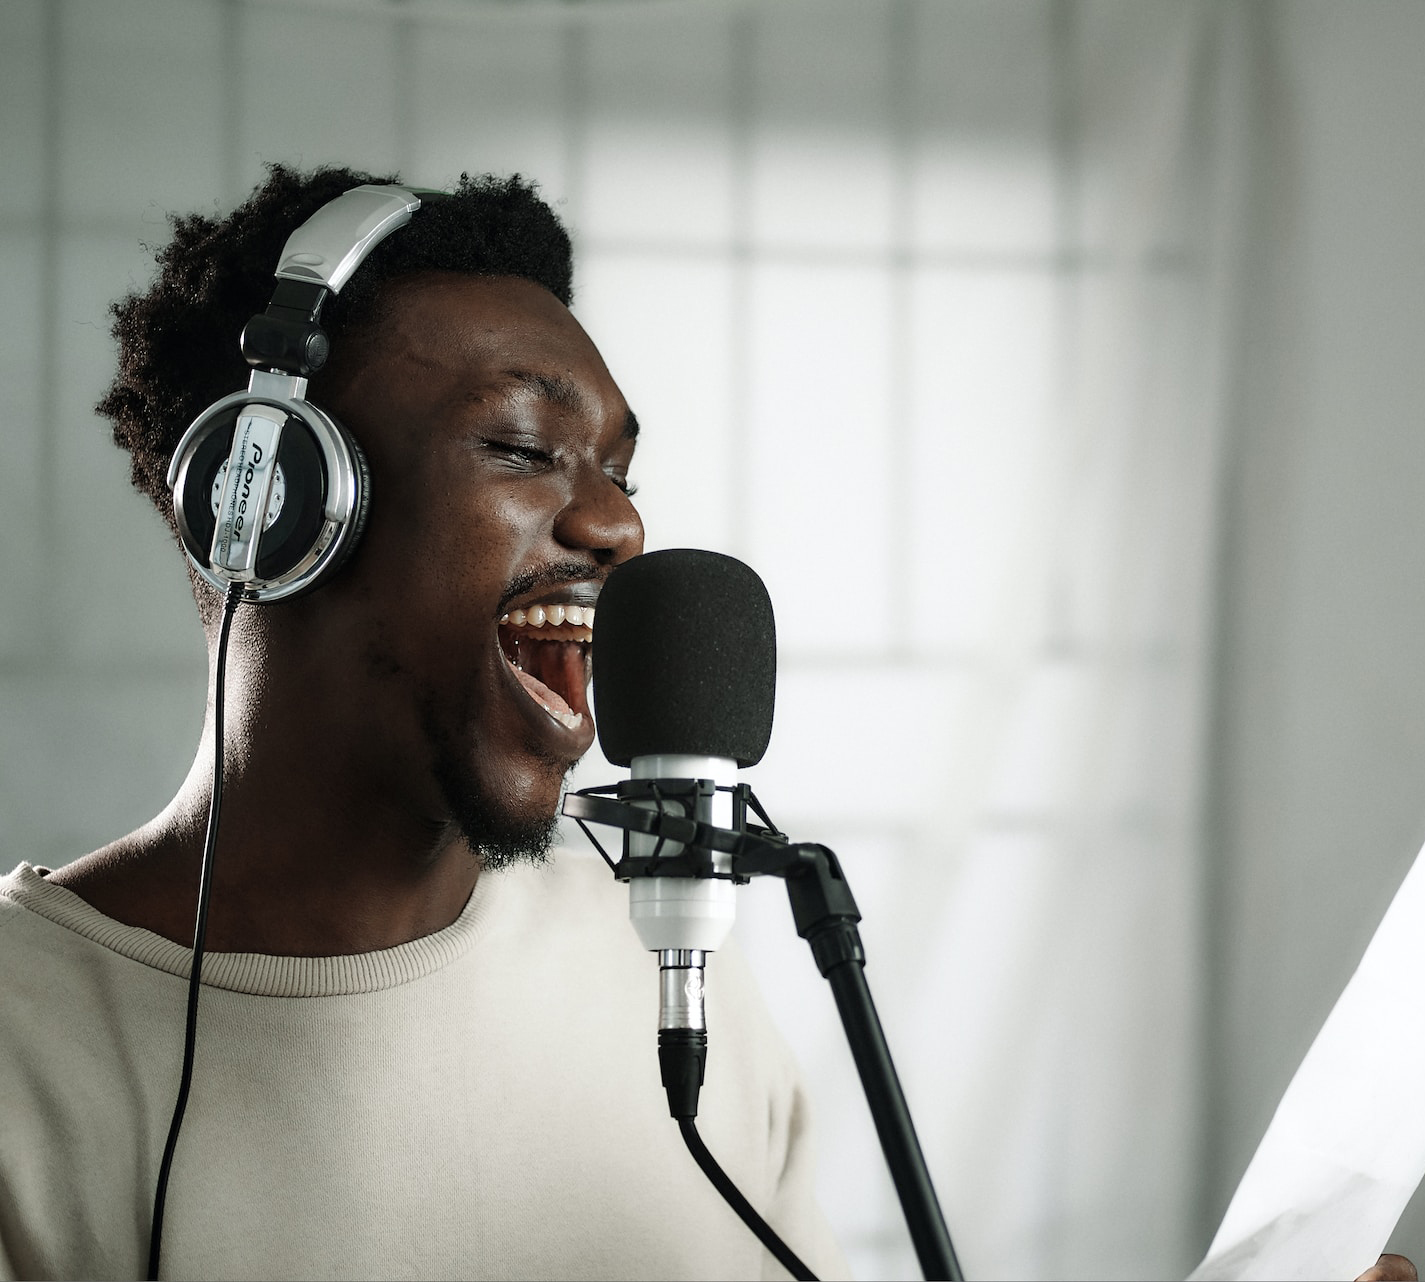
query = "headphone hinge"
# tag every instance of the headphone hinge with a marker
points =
(298, 299)
(287, 336)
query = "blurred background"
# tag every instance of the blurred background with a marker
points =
(1059, 365)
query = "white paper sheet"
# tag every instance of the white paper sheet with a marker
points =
(1346, 1148)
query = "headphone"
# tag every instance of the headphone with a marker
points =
(270, 492)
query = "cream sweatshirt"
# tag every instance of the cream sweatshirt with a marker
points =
(480, 1103)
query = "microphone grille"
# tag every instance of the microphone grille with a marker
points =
(685, 658)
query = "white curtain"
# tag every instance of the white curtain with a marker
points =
(980, 452)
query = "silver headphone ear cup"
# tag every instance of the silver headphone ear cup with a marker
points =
(326, 488)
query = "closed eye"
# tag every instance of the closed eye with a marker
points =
(524, 455)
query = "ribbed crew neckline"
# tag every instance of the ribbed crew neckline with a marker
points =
(263, 974)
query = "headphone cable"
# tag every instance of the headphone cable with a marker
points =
(200, 930)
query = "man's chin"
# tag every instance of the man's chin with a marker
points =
(497, 850)
(501, 826)
(498, 837)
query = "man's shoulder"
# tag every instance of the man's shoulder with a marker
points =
(11, 913)
(43, 943)
(21, 889)
(62, 991)
(11, 883)
(36, 912)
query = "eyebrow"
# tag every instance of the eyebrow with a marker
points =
(552, 387)
(562, 391)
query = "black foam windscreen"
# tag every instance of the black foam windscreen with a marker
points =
(685, 658)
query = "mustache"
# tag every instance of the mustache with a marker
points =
(553, 576)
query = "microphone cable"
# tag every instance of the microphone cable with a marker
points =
(682, 1056)
(718, 1178)
(200, 930)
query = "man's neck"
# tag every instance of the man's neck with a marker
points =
(306, 864)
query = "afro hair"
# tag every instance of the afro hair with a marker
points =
(178, 342)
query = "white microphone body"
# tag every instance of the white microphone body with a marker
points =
(684, 913)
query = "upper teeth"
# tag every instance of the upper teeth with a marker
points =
(554, 615)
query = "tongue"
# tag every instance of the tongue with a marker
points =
(541, 693)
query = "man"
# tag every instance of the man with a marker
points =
(423, 1049)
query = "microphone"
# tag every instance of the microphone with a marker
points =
(685, 677)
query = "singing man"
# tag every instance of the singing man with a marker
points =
(424, 1045)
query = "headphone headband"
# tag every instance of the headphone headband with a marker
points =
(334, 242)
(317, 260)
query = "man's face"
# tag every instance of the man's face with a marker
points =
(499, 448)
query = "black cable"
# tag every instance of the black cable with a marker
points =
(200, 930)
(718, 1177)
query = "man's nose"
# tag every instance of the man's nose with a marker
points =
(600, 518)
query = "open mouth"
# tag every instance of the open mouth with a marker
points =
(548, 648)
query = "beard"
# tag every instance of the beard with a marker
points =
(495, 835)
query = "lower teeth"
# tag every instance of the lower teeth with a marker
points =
(569, 720)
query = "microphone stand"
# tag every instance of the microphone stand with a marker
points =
(825, 914)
